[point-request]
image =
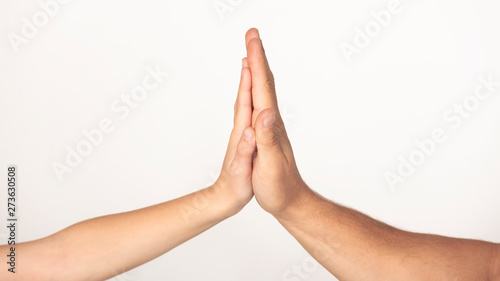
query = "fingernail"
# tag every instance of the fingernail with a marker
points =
(269, 120)
(247, 135)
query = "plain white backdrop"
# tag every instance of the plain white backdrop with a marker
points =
(351, 119)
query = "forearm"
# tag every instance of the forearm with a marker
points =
(100, 248)
(353, 246)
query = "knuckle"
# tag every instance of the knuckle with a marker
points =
(273, 139)
(269, 84)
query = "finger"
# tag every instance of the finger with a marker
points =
(243, 104)
(267, 135)
(241, 166)
(263, 90)
(251, 34)
(262, 77)
(242, 111)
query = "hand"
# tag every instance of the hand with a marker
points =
(276, 181)
(235, 180)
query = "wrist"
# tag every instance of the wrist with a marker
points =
(228, 202)
(206, 206)
(303, 201)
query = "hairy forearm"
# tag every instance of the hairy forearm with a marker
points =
(100, 248)
(353, 246)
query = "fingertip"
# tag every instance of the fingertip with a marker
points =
(249, 134)
(246, 83)
(269, 120)
(251, 33)
(247, 144)
(267, 117)
(245, 75)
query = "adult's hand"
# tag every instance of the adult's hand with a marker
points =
(277, 183)
(351, 245)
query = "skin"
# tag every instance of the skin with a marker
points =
(351, 245)
(260, 161)
(100, 248)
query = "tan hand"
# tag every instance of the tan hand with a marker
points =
(276, 181)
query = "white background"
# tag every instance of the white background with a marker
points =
(348, 122)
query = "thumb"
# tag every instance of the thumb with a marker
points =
(267, 137)
(243, 159)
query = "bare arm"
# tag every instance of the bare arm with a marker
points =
(100, 248)
(352, 246)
